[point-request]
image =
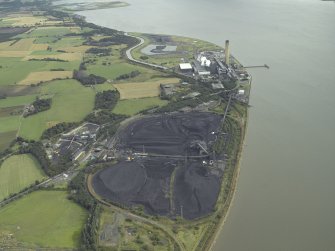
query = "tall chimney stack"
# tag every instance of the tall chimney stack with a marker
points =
(227, 52)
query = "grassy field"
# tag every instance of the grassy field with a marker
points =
(11, 111)
(18, 90)
(143, 89)
(13, 70)
(134, 106)
(26, 20)
(9, 123)
(65, 42)
(50, 31)
(6, 138)
(18, 172)
(70, 102)
(45, 76)
(43, 219)
(15, 101)
(112, 66)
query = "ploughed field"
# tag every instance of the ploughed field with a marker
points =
(172, 179)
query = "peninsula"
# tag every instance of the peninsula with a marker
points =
(110, 140)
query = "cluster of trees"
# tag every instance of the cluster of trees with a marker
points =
(89, 234)
(58, 129)
(98, 43)
(48, 59)
(144, 57)
(106, 99)
(176, 105)
(39, 105)
(120, 39)
(80, 194)
(86, 79)
(37, 150)
(100, 51)
(132, 74)
(116, 39)
(57, 69)
(104, 117)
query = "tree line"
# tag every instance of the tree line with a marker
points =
(58, 129)
(79, 194)
(39, 105)
(86, 79)
(132, 74)
(37, 150)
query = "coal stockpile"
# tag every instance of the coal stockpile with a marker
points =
(196, 191)
(144, 181)
(173, 177)
(170, 134)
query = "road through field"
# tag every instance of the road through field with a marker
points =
(130, 57)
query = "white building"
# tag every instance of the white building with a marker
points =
(185, 67)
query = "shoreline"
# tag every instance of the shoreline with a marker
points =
(213, 222)
(232, 192)
(231, 195)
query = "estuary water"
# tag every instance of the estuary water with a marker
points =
(285, 199)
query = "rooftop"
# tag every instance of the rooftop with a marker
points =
(185, 66)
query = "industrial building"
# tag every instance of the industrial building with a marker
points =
(186, 67)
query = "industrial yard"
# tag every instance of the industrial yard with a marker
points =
(174, 169)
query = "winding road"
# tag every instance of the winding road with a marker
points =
(130, 57)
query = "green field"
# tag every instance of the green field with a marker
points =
(71, 102)
(10, 123)
(6, 139)
(67, 42)
(115, 67)
(16, 101)
(111, 71)
(133, 106)
(47, 32)
(18, 172)
(43, 219)
(12, 70)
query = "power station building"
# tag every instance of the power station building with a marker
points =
(186, 67)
